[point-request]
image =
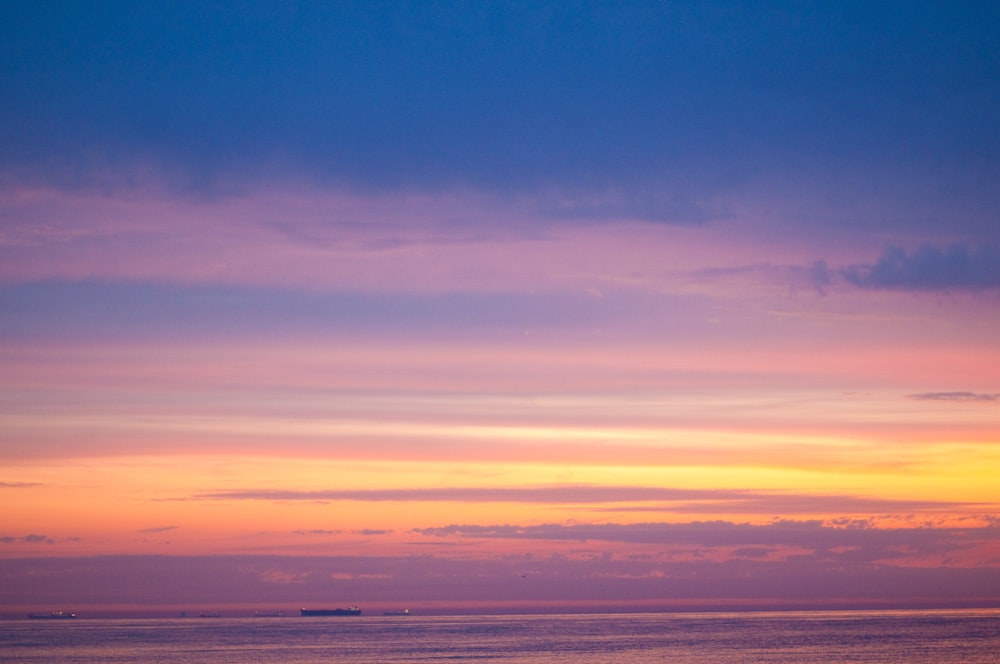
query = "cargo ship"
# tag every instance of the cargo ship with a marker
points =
(318, 613)
(53, 615)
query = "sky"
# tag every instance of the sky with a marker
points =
(496, 305)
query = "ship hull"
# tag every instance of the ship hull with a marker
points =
(322, 613)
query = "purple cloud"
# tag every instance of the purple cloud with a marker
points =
(825, 541)
(31, 539)
(523, 580)
(930, 268)
(36, 538)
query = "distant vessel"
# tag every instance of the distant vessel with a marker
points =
(313, 613)
(209, 614)
(404, 612)
(268, 614)
(52, 615)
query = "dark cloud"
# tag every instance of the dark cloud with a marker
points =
(316, 531)
(503, 95)
(956, 267)
(18, 485)
(955, 396)
(159, 529)
(847, 577)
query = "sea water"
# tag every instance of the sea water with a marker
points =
(895, 637)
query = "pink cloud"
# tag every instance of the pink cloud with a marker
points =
(329, 240)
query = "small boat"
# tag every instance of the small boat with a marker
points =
(52, 615)
(268, 614)
(314, 613)
(404, 612)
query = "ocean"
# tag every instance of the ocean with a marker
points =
(886, 637)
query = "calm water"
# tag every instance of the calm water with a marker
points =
(938, 637)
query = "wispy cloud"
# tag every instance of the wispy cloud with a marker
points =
(956, 396)
(817, 276)
(539, 494)
(618, 498)
(801, 503)
(159, 529)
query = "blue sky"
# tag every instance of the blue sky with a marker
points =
(670, 102)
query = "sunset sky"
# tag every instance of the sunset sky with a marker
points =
(481, 304)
